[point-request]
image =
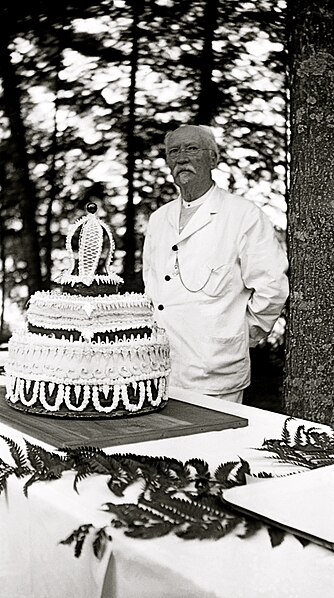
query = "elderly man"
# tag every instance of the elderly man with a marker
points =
(214, 270)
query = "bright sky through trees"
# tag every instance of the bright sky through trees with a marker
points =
(76, 68)
(248, 70)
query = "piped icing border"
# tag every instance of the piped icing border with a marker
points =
(62, 361)
(89, 315)
(103, 279)
(117, 396)
(108, 302)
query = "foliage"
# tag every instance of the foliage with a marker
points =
(80, 132)
(304, 447)
(184, 498)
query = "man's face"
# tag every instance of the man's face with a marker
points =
(188, 157)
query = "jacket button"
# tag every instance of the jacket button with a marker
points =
(174, 248)
(161, 307)
(167, 277)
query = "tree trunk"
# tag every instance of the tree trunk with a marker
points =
(206, 97)
(53, 153)
(130, 240)
(309, 381)
(3, 279)
(26, 196)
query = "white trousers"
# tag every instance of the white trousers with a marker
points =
(234, 397)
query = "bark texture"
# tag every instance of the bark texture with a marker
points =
(309, 377)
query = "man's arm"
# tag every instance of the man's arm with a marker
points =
(264, 266)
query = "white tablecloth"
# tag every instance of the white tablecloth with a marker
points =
(34, 564)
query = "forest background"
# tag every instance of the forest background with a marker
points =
(88, 92)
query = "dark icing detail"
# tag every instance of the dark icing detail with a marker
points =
(98, 336)
(94, 290)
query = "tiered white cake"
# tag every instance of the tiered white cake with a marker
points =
(87, 349)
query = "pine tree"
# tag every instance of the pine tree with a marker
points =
(308, 387)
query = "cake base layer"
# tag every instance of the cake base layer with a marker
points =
(76, 401)
(81, 379)
(87, 414)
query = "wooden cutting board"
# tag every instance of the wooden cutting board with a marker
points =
(175, 419)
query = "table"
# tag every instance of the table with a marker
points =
(34, 564)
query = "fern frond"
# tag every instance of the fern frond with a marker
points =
(131, 513)
(34, 478)
(43, 461)
(3, 479)
(241, 472)
(79, 476)
(300, 437)
(201, 467)
(146, 532)
(181, 508)
(78, 537)
(224, 470)
(17, 455)
(286, 436)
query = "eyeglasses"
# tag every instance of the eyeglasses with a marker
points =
(189, 150)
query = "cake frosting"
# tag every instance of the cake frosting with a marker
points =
(87, 349)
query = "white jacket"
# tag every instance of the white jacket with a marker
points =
(229, 291)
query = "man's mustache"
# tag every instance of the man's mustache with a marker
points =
(183, 168)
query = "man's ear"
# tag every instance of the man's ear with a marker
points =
(213, 159)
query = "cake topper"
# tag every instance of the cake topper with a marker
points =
(90, 250)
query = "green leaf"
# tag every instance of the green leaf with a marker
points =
(212, 530)
(130, 513)
(241, 472)
(223, 471)
(100, 543)
(304, 542)
(276, 535)
(201, 467)
(3, 479)
(147, 532)
(117, 487)
(78, 537)
(83, 473)
(251, 526)
(34, 478)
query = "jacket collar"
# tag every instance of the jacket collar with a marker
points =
(202, 216)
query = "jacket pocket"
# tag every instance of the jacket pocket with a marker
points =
(212, 280)
(226, 357)
(219, 280)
